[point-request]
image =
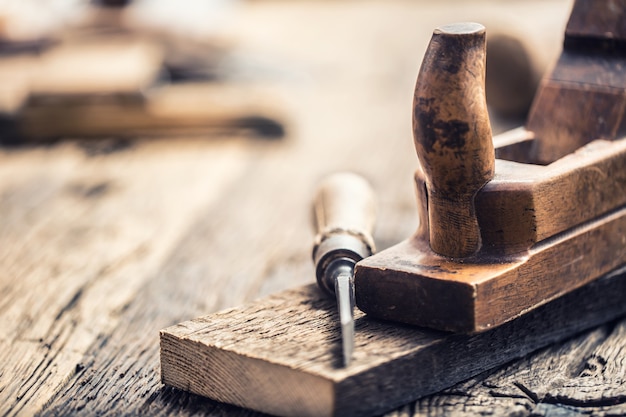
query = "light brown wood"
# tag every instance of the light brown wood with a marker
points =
(280, 355)
(411, 284)
(15, 76)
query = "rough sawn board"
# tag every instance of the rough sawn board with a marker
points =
(280, 355)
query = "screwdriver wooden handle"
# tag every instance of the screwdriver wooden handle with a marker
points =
(345, 212)
(453, 135)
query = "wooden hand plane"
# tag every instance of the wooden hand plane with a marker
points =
(501, 236)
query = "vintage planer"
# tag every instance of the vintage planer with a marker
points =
(509, 224)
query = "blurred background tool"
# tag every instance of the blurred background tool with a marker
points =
(516, 61)
(345, 212)
(120, 69)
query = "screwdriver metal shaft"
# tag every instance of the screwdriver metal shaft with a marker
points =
(344, 290)
(345, 210)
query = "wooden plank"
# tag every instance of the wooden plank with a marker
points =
(280, 355)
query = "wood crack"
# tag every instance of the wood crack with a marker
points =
(43, 367)
(527, 392)
(72, 302)
(586, 403)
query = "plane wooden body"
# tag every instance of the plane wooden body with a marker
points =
(500, 237)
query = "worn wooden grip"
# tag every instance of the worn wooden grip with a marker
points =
(345, 212)
(453, 136)
(345, 203)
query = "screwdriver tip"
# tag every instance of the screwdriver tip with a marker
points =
(344, 290)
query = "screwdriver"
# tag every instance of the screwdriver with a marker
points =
(345, 212)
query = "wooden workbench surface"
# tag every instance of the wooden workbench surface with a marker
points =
(103, 244)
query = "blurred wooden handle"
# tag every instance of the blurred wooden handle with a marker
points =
(345, 203)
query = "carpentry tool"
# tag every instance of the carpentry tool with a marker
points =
(500, 237)
(345, 211)
(272, 355)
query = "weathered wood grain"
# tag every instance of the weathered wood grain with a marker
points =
(81, 232)
(198, 109)
(349, 88)
(554, 381)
